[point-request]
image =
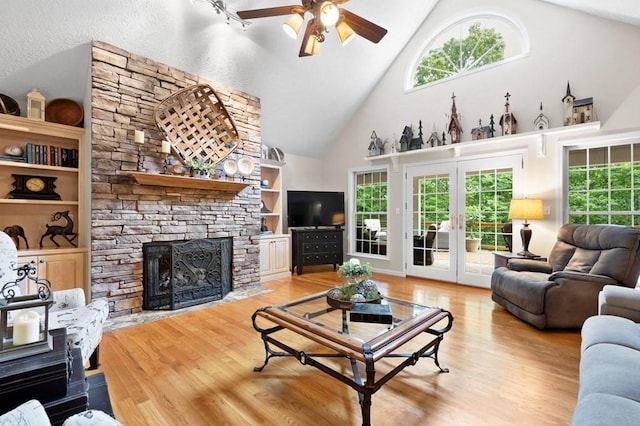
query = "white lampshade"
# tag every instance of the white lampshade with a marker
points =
(345, 33)
(329, 13)
(313, 46)
(292, 25)
(526, 208)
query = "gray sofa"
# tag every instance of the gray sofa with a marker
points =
(563, 292)
(610, 363)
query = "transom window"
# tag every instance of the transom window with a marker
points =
(604, 185)
(371, 192)
(468, 45)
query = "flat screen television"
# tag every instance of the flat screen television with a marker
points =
(315, 208)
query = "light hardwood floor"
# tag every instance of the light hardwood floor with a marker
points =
(197, 368)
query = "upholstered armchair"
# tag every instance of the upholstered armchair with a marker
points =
(620, 301)
(563, 292)
(83, 322)
(32, 413)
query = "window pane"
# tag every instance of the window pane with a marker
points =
(371, 212)
(470, 44)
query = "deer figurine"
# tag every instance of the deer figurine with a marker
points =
(65, 231)
(16, 231)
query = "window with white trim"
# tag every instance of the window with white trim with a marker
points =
(467, 45)
(604, 185)
(370, 211)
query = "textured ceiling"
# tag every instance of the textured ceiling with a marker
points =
(305, 101)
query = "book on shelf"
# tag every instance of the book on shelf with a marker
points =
(50, 155)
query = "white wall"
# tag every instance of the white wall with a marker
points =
(592, 53)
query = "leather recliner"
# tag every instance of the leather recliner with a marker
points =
(563, 292)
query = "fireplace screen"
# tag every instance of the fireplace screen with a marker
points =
(177, 274)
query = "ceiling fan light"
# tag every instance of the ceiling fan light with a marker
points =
(329, 13)
(345, 33)
(292, 25)
(313, 46)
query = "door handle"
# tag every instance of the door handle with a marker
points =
(461, 221)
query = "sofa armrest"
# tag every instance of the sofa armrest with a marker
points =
(620, 301)
(529, 265)
(580, 276)
(68, 299)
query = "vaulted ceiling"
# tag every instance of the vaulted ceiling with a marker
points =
(305, 101)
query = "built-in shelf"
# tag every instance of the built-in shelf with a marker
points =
(565, 132)
(174, 181)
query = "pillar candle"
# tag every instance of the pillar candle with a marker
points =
(139, 136)
(26, 328)
(166, 147)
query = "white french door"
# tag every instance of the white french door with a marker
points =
(452, 202)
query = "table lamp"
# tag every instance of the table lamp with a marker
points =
(525, 209)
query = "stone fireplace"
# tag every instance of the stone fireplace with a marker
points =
(177, 274)
(125, 215)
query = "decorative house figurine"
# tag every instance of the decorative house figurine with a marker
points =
(576, 111)
(375, 146)
(405, 139)
(417, 143)
(391, 145)
(454, 128)
(480, 132)
(541, 122)
(434, 139)
(508, 121)
(35, 105)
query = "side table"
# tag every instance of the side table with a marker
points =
(501, 258)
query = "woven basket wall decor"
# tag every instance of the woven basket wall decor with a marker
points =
(197, 124)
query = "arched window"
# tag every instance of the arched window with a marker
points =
(467, 45)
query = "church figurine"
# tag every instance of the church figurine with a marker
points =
(508, 121)
(576, 111)
(454, 128)
(405, 139)
(434, 138)
(480, 132)
(541, 122)
(376, 147)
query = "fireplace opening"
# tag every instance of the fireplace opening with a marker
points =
(177, 274)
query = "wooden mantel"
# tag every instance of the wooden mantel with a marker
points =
(174, 181)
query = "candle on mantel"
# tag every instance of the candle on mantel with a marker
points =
(166, 147)
(26, 328)
(139, 136)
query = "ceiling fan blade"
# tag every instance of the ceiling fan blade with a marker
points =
(270, 11)
(362, 27)
(307, 33)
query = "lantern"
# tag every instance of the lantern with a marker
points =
(24, 320)
(35, 105)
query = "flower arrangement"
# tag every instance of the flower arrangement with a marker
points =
(201, 168)
(354, 271)
(358, 287)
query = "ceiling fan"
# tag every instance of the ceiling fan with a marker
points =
(324, 15)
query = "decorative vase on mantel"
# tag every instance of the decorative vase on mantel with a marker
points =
(200, 174)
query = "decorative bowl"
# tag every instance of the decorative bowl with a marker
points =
(64, 111)
(336, 299)
(9, 105)
(245, 166)
(230, 167)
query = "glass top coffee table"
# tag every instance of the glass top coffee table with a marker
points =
(325, 331)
